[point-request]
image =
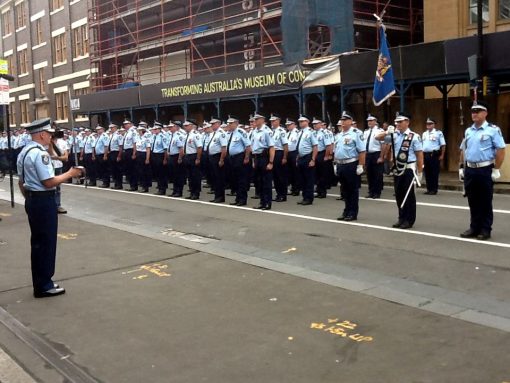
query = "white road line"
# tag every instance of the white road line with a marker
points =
(318, 219)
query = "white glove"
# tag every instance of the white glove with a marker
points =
(391, 129)
(495, 174)
(359, 170)
(461, 174)
(420, 178)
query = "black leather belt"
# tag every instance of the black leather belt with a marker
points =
(35, 194)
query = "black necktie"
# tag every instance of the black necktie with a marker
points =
(299, 140)
(209, 144)
(154, 142)
(368, 140)
(186, 143)
(229, 141)
(171, 141)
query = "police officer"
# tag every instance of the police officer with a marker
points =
(280, 170)
(217, 149)
(98, 155)
(37, 183)
(408, 151)
(434, 147)
(263, 160)
(307, 150)
(158, 149)
(484, 152)
(87, 156)
(238, 151)
(113, 158)
(205, 167)
(126, 153)
(175, 155)
(142, 157)
(325, 145)
(193, 145)
(350, 155)
(292, 138)
(374, 158)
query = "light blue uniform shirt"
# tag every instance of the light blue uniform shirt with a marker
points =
(115, 142)
(142, 143)
(370, 139)
(262, 139)
(218, 141)
(415, 146)
(129, 137)
(88, 144)
(307, 139)
(102, 143)
(160, 143)
(432, 140)
(292, 138)
(176, 143)
(481, 144)
(36, 167)
(193, 142)
(238, 142)
(349, 144)
(3, 143)
(323, 138)
(280, 138)
(206, 137)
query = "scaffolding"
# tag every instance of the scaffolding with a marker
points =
(151, 41)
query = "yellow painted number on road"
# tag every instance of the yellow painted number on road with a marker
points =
(341, 328)
(155, 269)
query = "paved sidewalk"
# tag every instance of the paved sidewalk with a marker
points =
(143, 310)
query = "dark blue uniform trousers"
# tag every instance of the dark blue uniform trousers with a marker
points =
(177, 173)
(350, 186)
(375, 173)
(193, 174)
(432, 165)
(239, 174)
(306, 176)
(265, 179)
(479, 191)
(402, 183)
(41, 209)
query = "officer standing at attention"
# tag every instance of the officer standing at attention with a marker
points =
(142, 157)
(325, 145)
(37, 183)
(350, 155)
(263, 160)
(238, 151)
(374, 158)
(126, 153)
(193, 145)
(87, 156)
(175, 155)
(98, 155)
(434, 147)
(280, 169)
(217, 149)
(307, 150)
(292, 138)
(158, 149)
(484, 152)
(112, 154)
(409, 156)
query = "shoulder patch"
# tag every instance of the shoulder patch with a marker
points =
(45, 159)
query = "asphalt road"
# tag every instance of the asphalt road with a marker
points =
(170, 290)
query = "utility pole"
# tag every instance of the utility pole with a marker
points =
(479, 55)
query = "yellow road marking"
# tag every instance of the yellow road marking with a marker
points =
(5, 215)
(68, 236)
(289, 250)
(156, 269)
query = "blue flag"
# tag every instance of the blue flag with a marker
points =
(384, 84)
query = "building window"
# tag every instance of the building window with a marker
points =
(10, 63)
(59, 49)
(23, 61)
(21, 17)
(38, 32)
(6, 23)
(25, 116)
(473, 11)
(12, 113)
(42, 82)
(81, 41)
(56, 4)
(504, 9)
(61, 101)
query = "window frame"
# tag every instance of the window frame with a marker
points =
(61, 105)
(6, 23)
(21, 17)
(472, 11)
(59, 49)
(38, 32)
(24, 111)
(23, 62)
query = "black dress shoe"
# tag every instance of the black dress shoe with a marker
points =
(260, 207)
(50, 293)
(376, 196)
(341, 218)
(397, 225)
(433, 193)
(280, 199)
(350, 218)
(242, 203)
(210, 192)
(255, 197)
(306, 202)
(92, 184)
(267, 207)
(427, 192)
(470, 233)
(231, 194)
(295, 193)
(406, 225)
(160, 192)
(340, 198)
(189, 197)
(144, 190)
(104, 186)
(369, 196)
(194, 197)
(483, 236)
(217, 200)
(233, 203)
(132, 189)
(321, 196)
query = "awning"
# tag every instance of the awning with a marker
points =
(326, 74)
